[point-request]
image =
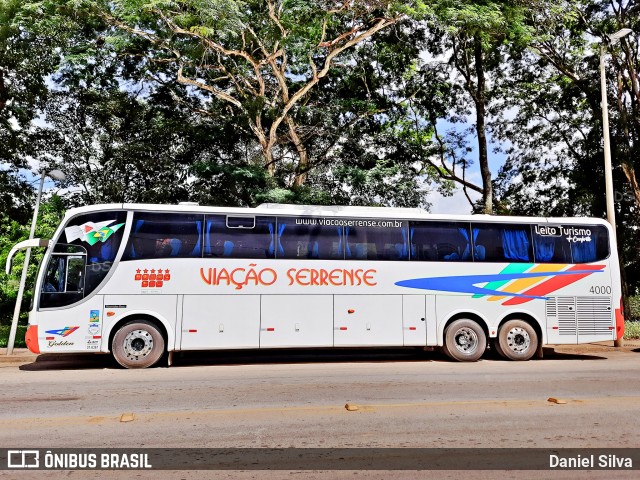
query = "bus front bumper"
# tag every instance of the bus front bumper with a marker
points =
(31, 339)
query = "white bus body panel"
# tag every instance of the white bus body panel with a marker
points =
(160, 307)
(296, 321)
(414, 320)
(220, 321)
(75, 329)
(368, 320)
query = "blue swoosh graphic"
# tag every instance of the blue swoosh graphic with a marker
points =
(465, 283)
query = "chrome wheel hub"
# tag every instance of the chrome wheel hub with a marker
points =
(466, 341)
(518, 340)
(138, 344)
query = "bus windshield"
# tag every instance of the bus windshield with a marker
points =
(81, 258)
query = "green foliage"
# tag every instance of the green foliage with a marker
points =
(11, 232)
(634, 308)
(5, 330)
(632, 330)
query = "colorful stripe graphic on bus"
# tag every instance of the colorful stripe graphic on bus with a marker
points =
(518, 283)
(63, 332)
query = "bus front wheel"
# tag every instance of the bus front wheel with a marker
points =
(517, 340)
(138, 344)
(464, 340)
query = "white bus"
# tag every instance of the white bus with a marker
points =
(142, 280)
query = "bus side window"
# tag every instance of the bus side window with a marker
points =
(308, 241)
(570, 243)
(239, 237)
(591, 248)
(550, 248)
(377, 243)
(165, 235)
(501, 243)
(440, 241)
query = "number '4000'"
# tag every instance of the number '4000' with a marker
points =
(600, 290)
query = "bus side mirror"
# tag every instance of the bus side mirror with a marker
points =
(34, 242)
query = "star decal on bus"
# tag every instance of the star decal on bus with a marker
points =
(516, 284)
(154, 278)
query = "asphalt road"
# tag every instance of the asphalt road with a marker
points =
(297, 399)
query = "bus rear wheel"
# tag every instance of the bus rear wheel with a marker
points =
(517, 340)
(464, 340)
(138, 344)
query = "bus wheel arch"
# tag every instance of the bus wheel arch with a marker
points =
(519, 337)
(465, 337)
(138, 341)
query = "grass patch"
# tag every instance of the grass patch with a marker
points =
(4, 336)
(631, 330)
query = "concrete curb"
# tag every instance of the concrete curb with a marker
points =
(19, 355)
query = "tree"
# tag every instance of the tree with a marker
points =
(260, 58)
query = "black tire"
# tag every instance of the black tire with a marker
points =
(517, 340)
(496, 346)
(138, 344)
(464, 341)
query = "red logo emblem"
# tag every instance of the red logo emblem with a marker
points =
(152, 278)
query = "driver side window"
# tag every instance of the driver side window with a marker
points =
(63, 282)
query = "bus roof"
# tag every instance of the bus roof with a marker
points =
(332, 211)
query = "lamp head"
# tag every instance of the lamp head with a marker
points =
(616, 37)
(57, 175)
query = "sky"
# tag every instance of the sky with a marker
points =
(458, 203)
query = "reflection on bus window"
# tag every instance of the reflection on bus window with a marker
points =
(377, 243)
(313, 242)
(165, 235)
(440, 241)
(501, 243)
(570, 243)
(239, 241)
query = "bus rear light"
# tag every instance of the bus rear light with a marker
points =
(271, 329)
(110, 314)
(50, 338)
(412, 328)
(97, 337)
(619, 318)
(343, 328)
(193, 331)
(351, 310)
(611, 328)
(555, 328)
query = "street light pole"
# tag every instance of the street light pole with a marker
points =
(608, 176)
(58, 175)
(608, 170)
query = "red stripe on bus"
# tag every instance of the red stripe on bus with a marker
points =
(554, 284)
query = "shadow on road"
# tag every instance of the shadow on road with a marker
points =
(81, 361)
(73, 361)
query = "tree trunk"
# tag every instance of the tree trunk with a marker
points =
(303, 157)
(483, 157)
(630, 173)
